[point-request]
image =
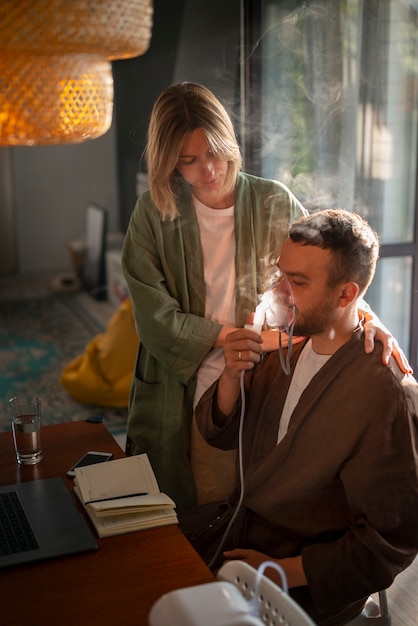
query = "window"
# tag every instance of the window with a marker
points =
(332, 112)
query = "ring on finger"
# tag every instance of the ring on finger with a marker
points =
(240, 355)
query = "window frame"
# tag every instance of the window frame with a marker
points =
(251, 33)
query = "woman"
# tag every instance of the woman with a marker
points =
(198, 253)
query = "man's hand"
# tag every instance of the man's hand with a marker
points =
(242, 350)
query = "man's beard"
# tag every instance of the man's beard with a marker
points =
(314, 321)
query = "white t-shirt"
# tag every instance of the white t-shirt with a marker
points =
(217, 236)
(309, 363)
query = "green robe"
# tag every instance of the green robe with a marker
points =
(163, 266)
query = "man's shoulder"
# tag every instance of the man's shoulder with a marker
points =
(408, 382)
(387, 379)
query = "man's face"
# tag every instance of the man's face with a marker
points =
(306, 268)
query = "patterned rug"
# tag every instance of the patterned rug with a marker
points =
(37, 339)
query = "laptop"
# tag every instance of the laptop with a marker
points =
(39, 520)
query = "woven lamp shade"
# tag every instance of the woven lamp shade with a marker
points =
(115, 29)
(56, 83)
(69, 101)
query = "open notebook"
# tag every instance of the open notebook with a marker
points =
(123, 495)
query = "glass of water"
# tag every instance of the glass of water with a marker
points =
(25, 415)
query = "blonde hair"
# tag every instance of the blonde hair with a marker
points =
(180, 109)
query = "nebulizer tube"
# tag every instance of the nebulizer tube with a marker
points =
(240, 473)
(278, 310)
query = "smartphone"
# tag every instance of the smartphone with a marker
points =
(89, 459)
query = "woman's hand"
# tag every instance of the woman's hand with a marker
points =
(292, 566)
(271, 340)
(375, 330)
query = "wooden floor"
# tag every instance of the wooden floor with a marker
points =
(403, 597)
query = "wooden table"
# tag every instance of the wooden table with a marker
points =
(118, 583)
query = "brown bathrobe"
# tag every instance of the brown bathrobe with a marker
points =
(341, 488)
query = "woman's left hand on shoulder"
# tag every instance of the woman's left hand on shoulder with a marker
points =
(375, 330)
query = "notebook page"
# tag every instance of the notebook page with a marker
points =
(121, 477)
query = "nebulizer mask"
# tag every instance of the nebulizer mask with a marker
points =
(278, 310)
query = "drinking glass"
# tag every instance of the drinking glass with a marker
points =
(25, 418)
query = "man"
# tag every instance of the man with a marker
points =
(329, 452)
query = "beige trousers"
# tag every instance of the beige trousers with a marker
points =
(214, 470)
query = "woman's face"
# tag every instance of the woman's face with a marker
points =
(205, 173)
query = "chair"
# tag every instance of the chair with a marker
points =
(374, 614)
(274, 605)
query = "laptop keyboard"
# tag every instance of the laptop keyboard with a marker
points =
(16, 534)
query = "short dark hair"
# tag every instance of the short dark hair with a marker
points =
(354, 244)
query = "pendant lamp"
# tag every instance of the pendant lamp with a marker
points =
(56, 83)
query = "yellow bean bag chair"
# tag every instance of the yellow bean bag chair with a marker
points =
(103, 374)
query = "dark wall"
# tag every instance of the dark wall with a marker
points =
(191, 40)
